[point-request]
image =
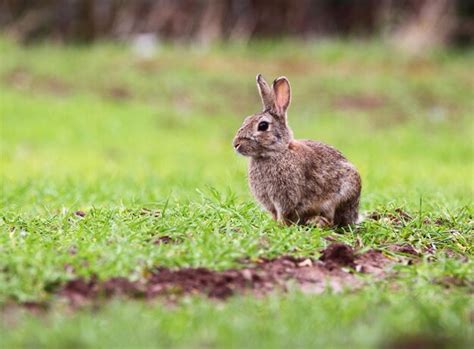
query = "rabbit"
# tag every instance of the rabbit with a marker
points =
(298, 181)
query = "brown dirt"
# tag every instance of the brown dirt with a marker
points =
(454, 282)
(80, 291)
(336, 270)
(36, 307)
(80, 213)
(22, 79)
(426, 341)
(165, 239)
(117, 93)
(372, 262)
(405, 249)
(338, 254)
(360, 102)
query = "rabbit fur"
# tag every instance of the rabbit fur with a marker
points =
(297, 181)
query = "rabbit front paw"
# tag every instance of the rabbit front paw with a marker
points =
(320, 222)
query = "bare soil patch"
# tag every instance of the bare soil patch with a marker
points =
(117, 93)
(360, 102)
(337, 269)
(166, 239)
(23, 80)
(80, 213)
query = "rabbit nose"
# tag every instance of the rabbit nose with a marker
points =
(236, 146)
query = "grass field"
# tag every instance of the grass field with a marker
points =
(98, 130)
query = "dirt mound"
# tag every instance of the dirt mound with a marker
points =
(80, 291)
(336, 269)
(338, 254)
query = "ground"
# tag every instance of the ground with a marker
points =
(114, 168)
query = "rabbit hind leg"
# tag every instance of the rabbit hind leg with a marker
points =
(347, 213)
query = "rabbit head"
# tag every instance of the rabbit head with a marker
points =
(267, 132)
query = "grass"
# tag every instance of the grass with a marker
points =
(99, 130)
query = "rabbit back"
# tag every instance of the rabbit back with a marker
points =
(310, 179)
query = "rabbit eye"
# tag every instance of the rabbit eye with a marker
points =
(263, 126)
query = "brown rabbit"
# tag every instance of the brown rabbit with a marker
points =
(298, 181)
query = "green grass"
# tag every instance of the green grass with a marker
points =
(99, 130)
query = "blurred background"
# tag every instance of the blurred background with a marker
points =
(413, 23)
(149, 94)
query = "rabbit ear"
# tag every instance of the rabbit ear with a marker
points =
(266, 93)
(282, 92)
